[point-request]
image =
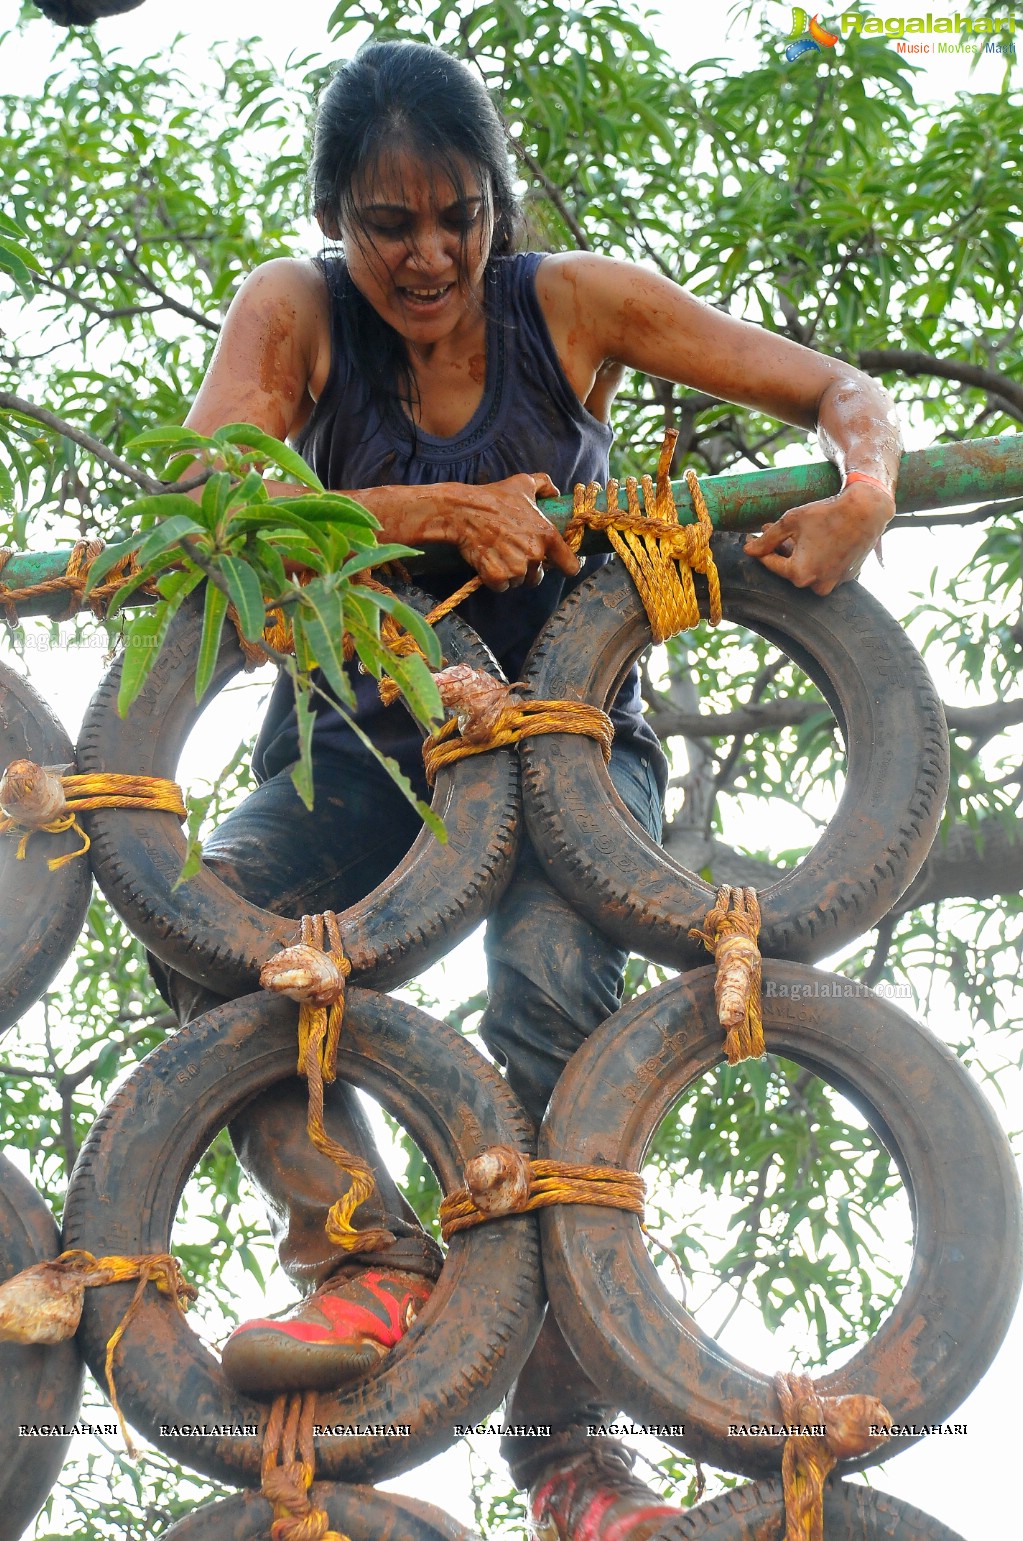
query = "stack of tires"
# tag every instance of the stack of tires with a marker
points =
(627, 1330)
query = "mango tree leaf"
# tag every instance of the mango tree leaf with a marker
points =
(305, 718)
(245, 436)
(418, 688)
(321, 618)
(374, 556)
(209, 643)
(406, 615)
(166, 535)
(330, 508)
(246, 596)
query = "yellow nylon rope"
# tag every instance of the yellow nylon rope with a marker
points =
(319, 1030)
(44, 1301)
(81, 793)
(807, 1458)
(551, 1182)
(659, 554)
(287, 1470)
(73, 580)
(514, 723)
(730, 931)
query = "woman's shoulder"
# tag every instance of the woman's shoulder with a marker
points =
(565, 274)
(295, 281)
(287, 301)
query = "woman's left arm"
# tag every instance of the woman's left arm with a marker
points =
(601, 310)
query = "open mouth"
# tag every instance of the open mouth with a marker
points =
(426, 298)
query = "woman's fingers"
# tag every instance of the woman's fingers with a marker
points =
(543, 487)
(820, 545)
(506, 537)
(556, 548)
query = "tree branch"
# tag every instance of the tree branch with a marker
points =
(981, 722)
(93, 306)
(555, 194)
(973, 516)
(79, 436)
(166, 300)
(878, 361)
(973, 862)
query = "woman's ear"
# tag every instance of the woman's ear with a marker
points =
(328, 224)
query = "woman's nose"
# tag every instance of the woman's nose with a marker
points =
(430, 253)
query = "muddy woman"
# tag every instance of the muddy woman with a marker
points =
(447, 380)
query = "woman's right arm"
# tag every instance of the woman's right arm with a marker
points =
(269, 367)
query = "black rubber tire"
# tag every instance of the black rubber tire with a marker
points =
(466, 1346)
(890, 716)
(433, 898)
(41, 1385)
(41, 912)
(360, 1513)
(619, 1318)
(852, 1512)
(82, 13)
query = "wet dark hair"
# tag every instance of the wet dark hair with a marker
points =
(415, 99)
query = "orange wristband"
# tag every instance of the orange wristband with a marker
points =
(872, 481)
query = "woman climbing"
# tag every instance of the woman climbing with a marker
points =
(448, 381)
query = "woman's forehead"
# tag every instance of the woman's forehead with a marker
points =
(401, 178)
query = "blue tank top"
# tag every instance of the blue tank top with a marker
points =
(529, 419)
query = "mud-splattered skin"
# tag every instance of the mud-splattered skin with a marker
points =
(418, 252)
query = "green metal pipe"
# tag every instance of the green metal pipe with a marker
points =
(946, 475)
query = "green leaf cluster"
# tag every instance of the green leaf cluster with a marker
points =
(300, 557)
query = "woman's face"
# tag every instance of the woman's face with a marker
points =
(417, 245)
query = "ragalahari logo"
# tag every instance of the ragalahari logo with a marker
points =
(810, 36)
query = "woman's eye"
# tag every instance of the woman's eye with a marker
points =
(462, 217)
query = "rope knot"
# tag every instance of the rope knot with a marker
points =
(42, 797)
(514, 720)
(287, 1470)
(31, 795)
(315, 973)
(495, 1187)
(729, 933)
(43, 1303)
(305, 973)
(477, 699)
(659, 554)
(827, 1430)
(499, 1180)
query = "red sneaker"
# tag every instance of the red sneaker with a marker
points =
(337, 1334)
(595, 1497)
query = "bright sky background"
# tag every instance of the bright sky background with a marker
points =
(953, 1479)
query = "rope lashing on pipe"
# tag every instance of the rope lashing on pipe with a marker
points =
(43, 1304)
(502, 1181)
(490, 715)
(315, 973)
(730, 930)
(72, 582)
(659, 554)
(287, 1469)
(808, 1457)
(276, 635)
(40, 797)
